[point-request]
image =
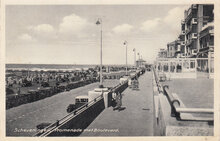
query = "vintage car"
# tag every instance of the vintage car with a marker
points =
(79, 101)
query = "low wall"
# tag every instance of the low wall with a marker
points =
(180, 75)
(166, 125)
(75, 125)
(159, 121)
(80, 122)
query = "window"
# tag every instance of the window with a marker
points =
(172, 66)
(186, 64)
(192, 64)
(77, 100)
(84, 100)
(165, 67)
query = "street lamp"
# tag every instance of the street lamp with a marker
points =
(134, 50)
(138, 62)
(126, 45)
(99, 22)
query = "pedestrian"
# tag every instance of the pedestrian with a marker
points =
(117, 102)
(114, 97)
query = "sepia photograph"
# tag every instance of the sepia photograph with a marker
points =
(96, 70)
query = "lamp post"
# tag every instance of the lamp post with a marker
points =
(138, 62)
(126, 45)
(134, 50)
(99, 22)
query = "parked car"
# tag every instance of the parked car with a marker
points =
(79, 101)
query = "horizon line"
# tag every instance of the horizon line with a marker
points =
(59, 64)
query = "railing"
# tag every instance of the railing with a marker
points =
(47, 130)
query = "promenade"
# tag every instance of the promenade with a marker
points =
(195, 93)
(27, 116)
(135, 120)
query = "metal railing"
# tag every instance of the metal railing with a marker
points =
(47, 130)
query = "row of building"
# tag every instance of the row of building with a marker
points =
(196, 39)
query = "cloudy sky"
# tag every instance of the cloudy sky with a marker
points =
(68, 34)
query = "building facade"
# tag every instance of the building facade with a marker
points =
(182, 40)
(140, 63)
(162, 53)
(193, 50)
(206, 40)
(174, 49)
(195, 18)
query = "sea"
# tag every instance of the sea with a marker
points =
(35, 67)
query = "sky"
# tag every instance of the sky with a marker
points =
(67, 34)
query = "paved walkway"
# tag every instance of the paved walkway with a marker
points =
(135, 120)
(195, 93)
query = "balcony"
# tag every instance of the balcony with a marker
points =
(189, 16)
(194, 36)
(211, 31)
(190, 13)
(208, 48)
(194, 21)
(188, 30)
(188, 42)
(207, 30)
(194, 52)
(194, 6)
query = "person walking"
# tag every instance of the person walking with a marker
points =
(114, 97)
(119, 103)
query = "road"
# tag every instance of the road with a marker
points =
(22, 120)
(135, 120)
